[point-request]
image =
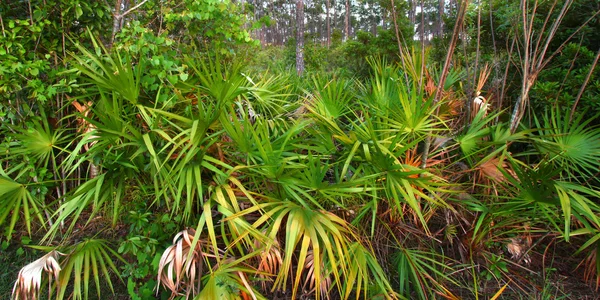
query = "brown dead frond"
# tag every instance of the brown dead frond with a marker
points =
(481, 103)
(484, 74)
(29, 279)
(269, 262)
(83, 125)
(494, 169)
(180, 267)
(517, 247)
(590, 272)
(311, 280)
(490, 169)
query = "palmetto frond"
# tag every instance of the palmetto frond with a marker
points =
(571, 145)
(16, 199)
(90, 257)
(181, 265)
(29, 279)
(327, 235)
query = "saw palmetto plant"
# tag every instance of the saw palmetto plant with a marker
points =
(69, 271)
(262, 186)
(29, 280)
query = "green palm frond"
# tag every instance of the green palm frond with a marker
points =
(90, 257)
(80, 263)
(16, 200)
(270, 96)
(103, 193)
(331, 97)
(421, 273)
(229, 280)
(110, 71)
(539, 189)
(39, 141)
(325, 234)
(365, 276)
(218, 82)
(573, 145)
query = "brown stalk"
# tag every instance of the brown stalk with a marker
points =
(534, 57)
(562, 84)
(584, 85)
(2, 26)
(460, 18)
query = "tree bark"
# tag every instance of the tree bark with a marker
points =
(347, 24)
(116, 21)
(327, 5)
(440, 29)
(299, 37)
(412, 12)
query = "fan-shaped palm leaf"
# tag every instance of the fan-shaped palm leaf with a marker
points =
(572, 145)
(323, 233)
(16, 199)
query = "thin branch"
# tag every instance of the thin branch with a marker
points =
(132, 9)
(584, 85)
(571, 66)
(460, 18)
(543, 29)
(560, 48)
(553, 30)
(2, 25)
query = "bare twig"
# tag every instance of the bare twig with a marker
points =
(118, 17)
(2, 25)
(562, 84)
(132, 9)
(534, 59)
(460, 18)
(584, 85)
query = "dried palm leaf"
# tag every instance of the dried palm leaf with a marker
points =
(180, 266)
(311, 278)
(270, 261)
(518, 249)
(490, 169)
(83, 125)
(87, 129)
(29, 279)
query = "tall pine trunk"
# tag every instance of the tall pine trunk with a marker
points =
(299, 37)
(347, 24)
(327, 5)
(440, 27)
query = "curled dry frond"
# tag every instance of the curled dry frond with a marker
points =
(270, 261)
(180, 267)
(518, 247)
(491, 169)
(29, 280)
(310, 281)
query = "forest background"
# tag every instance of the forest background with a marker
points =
(212, 149)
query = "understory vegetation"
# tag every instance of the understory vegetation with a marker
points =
(176, 157)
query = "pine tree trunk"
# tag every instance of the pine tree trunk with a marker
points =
(440, 29)
(299, 37)
(328, 23)
(347, 24)
(412, 12)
